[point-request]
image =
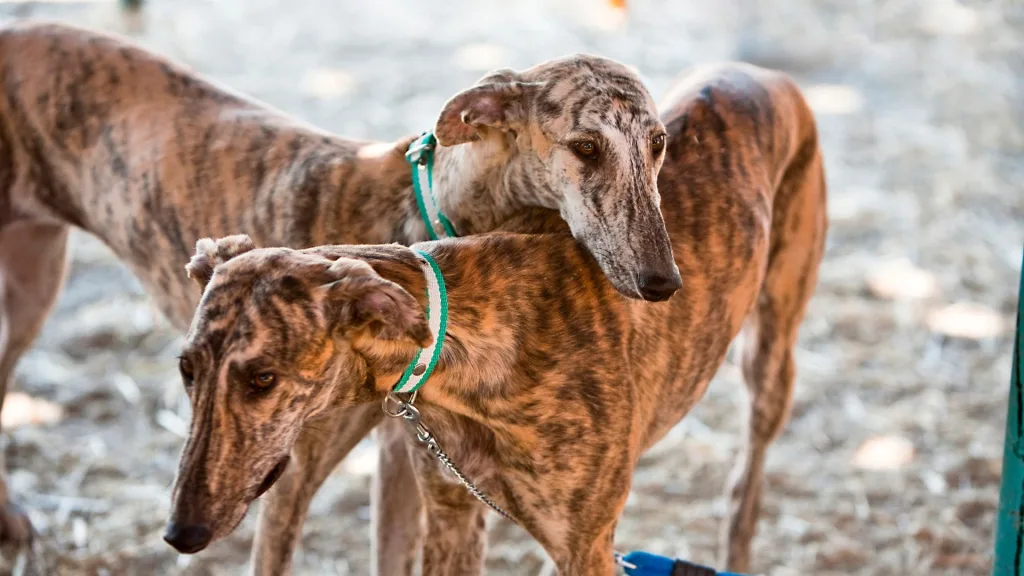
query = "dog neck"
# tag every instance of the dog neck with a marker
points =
(468, 354)
(478, 185)
(481, 184)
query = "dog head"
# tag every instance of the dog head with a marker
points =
(583, 137)
(271, 345)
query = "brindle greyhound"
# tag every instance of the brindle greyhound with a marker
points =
(102, 135)
(550, 385)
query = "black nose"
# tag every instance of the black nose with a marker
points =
(657, 287)
(187, 539)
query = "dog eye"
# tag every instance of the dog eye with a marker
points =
(585, 149)
(658, 144)
(263, 381)
(185, 367)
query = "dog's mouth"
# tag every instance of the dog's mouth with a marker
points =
(272, 477)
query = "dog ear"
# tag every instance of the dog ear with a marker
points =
(496, 101)
(210, 253)
(362, 301)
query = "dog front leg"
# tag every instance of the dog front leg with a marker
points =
(314, 457)
(456, 541)
(395, 505)
(456, 522)
(587, 556)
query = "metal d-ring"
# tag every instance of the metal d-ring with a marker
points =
(402, 408)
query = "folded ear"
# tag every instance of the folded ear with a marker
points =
(367, 302)
(210, 253)
(497, 101)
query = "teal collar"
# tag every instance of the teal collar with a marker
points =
(422, 366)
(421, 159)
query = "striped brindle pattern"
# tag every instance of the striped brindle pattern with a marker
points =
(590, 145)
(551, 385)
(256, 328)
(100, 134)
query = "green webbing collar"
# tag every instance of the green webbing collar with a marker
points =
(422, 366)
(421, 159)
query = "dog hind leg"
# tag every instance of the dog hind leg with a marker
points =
(797, 243)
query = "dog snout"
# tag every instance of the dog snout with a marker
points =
(187, 538)
(658, 286)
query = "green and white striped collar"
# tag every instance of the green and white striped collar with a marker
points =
(422, 366)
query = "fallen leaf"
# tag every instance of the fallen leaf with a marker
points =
(884, 453)
(901, 280)
(20, 409)
(966, 320)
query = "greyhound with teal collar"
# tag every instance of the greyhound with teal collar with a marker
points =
(548, 385)
(100, 134)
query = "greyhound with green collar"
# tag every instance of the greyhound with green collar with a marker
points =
(100, 134)
(545, 385)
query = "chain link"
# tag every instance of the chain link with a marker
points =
(411, 414)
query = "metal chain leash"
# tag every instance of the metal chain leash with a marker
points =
(395, 407)
(411, 414)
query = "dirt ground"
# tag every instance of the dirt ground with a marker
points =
(890, 464)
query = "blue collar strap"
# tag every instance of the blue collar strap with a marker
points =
(646, 564)
(421, 159)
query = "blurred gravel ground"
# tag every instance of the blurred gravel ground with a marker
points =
(891, 462)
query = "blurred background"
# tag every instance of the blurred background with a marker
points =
(891, 462)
